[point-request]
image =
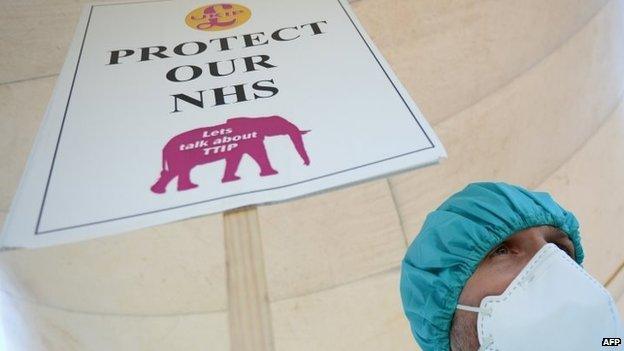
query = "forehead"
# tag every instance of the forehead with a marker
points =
(545, 231)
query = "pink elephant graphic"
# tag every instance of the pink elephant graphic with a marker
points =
(228, 141)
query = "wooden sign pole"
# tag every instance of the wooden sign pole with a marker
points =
(249, 312)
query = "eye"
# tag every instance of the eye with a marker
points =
(501, 249)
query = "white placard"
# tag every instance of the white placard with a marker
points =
(166, 110)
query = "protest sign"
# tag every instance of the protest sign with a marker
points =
(166, 110)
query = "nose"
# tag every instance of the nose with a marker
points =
(530, 243)
(533, 246)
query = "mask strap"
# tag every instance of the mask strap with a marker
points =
(468, 308)
(486, 311)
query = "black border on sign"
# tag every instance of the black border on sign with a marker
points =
(37, 232)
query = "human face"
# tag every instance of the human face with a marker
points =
(494, 274)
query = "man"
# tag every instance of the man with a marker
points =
(496, 267)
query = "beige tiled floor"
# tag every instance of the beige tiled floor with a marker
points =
(451, 54)
(365, 315)
(525, 130)
(590, 183)
(326, 240)
(36, 328)
(169, 269)
(23, 105)
(522, 91)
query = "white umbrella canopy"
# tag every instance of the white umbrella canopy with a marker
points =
(526, 92)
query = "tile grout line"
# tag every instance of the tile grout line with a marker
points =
(391, 270)
(107, 314)
(619, 272)
(397, 212)
(28, 79)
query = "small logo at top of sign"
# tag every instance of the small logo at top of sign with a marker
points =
(228, 141)
(217, 17)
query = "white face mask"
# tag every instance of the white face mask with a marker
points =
(553, 304)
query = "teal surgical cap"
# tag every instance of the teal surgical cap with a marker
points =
(455, 238)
